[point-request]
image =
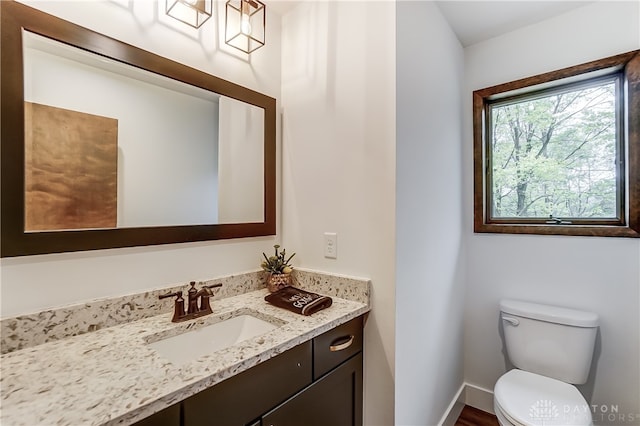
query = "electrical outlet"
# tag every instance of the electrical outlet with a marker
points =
(331, 245)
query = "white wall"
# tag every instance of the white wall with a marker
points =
(37, 282)
(429, 251)
(597, 274)
(338, 94)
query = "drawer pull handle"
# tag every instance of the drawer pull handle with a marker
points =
(341, 344)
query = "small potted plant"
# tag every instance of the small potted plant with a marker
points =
(279, 269)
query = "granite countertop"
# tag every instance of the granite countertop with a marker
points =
(111, 376)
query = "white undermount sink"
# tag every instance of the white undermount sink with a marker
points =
(193, 344)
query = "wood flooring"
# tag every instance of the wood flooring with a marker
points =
(473, 417)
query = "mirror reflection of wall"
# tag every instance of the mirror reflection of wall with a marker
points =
(185, 156)
(240, 163)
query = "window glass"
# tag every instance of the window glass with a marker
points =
(555, 153)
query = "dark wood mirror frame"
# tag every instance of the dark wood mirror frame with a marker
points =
(14, 240)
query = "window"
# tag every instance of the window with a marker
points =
(559, 153)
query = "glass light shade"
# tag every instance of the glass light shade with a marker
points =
(191, 12)
(245, 24)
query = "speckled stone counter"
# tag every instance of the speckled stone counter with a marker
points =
(112, 376)
(59, 323)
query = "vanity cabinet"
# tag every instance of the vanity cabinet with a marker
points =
(241, 399)
(318, 382)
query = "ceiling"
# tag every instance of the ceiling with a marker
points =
(474, 21)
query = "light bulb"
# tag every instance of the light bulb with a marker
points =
(245, 25)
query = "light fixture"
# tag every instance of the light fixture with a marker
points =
(192, 12)
(245, 24)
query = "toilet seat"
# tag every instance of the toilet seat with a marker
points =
(504, 418)
(528, 399)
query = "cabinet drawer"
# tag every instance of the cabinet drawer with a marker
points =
(336, 346)
(241, 399)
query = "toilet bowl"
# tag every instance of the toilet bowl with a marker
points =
(522, 398)
(552, 349)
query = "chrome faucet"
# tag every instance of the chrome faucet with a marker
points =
(194, 309)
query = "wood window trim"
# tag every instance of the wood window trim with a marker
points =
(630, 64)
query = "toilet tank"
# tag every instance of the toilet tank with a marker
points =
(549, 340)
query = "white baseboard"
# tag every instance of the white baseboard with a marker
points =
(454, 409)
(468, 394)
(479, 398)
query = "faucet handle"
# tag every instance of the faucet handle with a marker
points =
(178, 294)
(213, 285)
(178, 310)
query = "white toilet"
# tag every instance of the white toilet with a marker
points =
(551, 348)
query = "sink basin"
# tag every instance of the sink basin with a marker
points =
(193, 344)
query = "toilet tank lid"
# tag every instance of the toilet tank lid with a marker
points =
(554, 314)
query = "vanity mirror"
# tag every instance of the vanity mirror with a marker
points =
(105, 145)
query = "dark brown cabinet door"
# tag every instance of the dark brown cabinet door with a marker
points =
(241, 399)
(335, 399)
(170, 416)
